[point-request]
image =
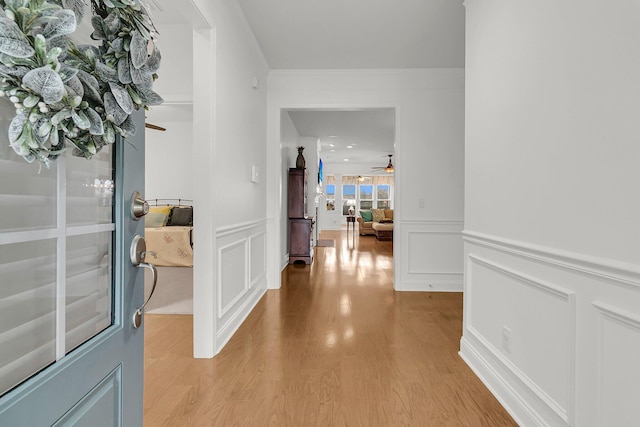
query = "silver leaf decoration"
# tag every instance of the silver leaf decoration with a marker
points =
(12, 40)
(138, 50)
(122, 97)
(113, 109)
(45, 82)
(96, 127)
(63, 23)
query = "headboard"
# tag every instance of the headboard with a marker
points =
(169, 212)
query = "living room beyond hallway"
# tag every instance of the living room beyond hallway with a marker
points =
(336, 345)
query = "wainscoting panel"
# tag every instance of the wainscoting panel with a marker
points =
(258, 249)
(242, 276)
(619, 344)
(527, 323)
(431, 255)
(533, 334)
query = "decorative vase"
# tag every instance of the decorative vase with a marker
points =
(300, 162)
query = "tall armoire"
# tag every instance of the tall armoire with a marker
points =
(300, 224)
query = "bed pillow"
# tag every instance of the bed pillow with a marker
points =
(367, 216)
(158, 216)
(181, 216)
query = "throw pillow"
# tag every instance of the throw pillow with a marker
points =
(157, 216)
(378, 214)
(181, 216)
(367, 216)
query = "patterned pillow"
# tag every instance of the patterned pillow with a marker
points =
(378, 214)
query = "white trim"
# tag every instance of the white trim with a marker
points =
(61, 259)
(615, 272)
(90, 229)
(565, 295)
(619, 315)
(10, 237)
(433, 222)
(519, 409)
(224, 310)
(239, 227)
(553, 290)
(608, 312)
(227, 330)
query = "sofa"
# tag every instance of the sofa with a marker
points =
(369, 223)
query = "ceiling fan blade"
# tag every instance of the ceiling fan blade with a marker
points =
(154, 127)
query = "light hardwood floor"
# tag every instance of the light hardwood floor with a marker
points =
(335, 346)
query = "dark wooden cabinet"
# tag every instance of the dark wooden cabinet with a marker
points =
(297, 193)
(300, 225)
(300, 243)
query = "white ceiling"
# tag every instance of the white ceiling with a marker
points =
(340, 34)
(344, 34)
(370, 134)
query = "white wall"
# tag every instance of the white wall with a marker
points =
(429, 158)
(229, 137)
(168, 155)
(552, 277)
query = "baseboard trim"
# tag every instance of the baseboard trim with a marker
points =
(431, 285)
(237, 319)
(522, 413)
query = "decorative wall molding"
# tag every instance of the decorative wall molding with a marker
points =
(554, 291)
(618, 315)
(223, 310)
(430, 255)
(548, 288)
(240, 227)
(629, 322)
(434, 222)
(519, 408)
(226, 331)
(618, 273)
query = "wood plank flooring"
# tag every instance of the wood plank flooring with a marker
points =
(335, 346)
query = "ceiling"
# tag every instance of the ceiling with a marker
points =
(348, 34)
(363, 137)
(344, 34)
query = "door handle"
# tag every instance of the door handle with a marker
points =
(137, 255)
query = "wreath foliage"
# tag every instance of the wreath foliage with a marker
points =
(68, 94)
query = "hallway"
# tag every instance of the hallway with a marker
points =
(334, 346)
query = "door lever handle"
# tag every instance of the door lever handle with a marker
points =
(137, 315)
(137, 254)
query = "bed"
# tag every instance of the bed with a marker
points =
(169, 231)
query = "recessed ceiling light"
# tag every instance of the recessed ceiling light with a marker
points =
(332, 145)
(332, 136)
(349, 146)
(346, 160)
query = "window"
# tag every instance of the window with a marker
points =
(348, 198)
(330, 191)
(366, 192)
(384, 196)
(366, 196)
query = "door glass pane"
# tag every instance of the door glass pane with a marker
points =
(27, 192)
(90, 189)
(89, 274)
(27, 310)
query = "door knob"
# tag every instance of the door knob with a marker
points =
(139, 206)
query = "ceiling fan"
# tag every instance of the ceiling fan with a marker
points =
(154, 127)
(388, 169)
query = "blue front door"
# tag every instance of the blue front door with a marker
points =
(69, 353)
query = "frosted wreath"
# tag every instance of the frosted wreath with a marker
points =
(75, 95)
